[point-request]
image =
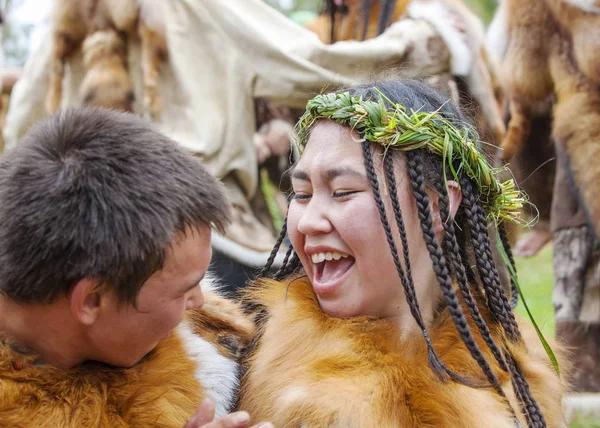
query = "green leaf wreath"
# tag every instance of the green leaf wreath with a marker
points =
(398, 129)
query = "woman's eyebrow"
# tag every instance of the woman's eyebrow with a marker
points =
(329, 174)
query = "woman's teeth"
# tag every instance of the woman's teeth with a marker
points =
(321, 257)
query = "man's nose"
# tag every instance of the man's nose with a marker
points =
(196, 298)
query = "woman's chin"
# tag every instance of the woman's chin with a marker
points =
(338, 308)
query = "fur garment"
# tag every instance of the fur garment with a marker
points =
(310, 370)
(199, 359)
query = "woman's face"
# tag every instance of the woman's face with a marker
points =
(334, 226)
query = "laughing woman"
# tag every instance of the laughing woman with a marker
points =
(389, 310)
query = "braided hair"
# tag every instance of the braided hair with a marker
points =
(466, 245)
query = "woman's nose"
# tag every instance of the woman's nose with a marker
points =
(314, 219)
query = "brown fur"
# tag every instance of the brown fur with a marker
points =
(524, 70)
(536, 29)
(584, 31)
(576, 128)
(312, 370)
(160, 391)
(223, 324)
(107, 80)
(106, 83)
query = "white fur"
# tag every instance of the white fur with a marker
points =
(437, 15)
(590, 6)
(497, 35)
(218, 375)
(210, 283)
(151, 12)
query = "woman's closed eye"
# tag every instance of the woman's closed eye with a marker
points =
(344, 193)
(338, 194)
(300, 196)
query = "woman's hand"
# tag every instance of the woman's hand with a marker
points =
(203, 418)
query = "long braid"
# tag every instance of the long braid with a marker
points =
(263, 272)
(498, 302)
(438, 367)
(283, 267)
(292, 267)
(530, 408)
(453, 250)
(496, 299)
(487, 246)
(514, 295)
(391, 181)
(440, 267)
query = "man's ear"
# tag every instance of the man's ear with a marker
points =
(454, 200)
(85, 300)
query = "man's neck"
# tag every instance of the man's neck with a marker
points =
(43, 329)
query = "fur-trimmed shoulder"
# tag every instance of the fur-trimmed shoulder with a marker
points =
(215, 337)
(160, 391)
(309, 369)
(199, 359)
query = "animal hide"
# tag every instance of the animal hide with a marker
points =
(537, 32)
(311, 370)
(101, 28)
(199, 359)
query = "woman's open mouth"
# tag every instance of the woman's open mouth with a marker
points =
(330, 268)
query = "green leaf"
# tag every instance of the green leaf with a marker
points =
(513, 275)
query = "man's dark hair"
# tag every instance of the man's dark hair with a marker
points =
(99, 194)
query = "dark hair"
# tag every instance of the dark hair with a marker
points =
(462, 247)
(96, 193)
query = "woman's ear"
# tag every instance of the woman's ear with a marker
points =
(454, 197)
(454, 200)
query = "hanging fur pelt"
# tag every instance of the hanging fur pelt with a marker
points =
(539, 32)
(553, 51)
(102, 28)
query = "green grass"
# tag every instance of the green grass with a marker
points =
(584, 421)
(580, 421)
(536, 278)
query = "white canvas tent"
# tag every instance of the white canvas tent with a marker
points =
(223, 54)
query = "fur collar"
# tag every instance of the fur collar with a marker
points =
(199, 359)
(309, 369)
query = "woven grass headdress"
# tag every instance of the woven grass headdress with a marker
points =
(396, 128)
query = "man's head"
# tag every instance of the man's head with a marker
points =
(103, 215)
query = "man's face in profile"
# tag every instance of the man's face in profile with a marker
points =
(123, 334)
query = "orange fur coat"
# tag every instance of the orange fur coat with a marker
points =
(310, 370)
(199, 359)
